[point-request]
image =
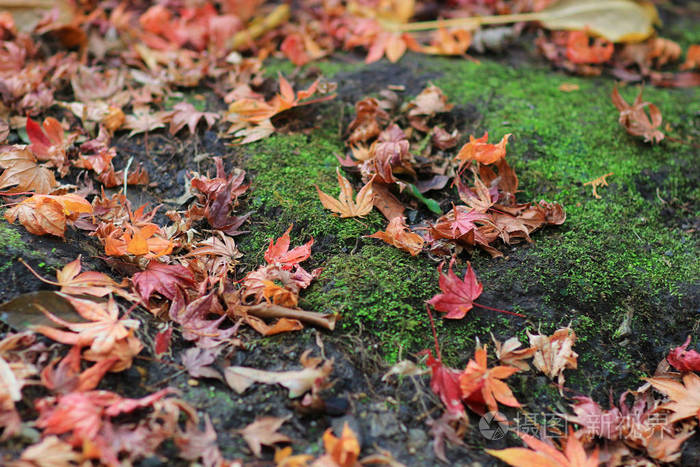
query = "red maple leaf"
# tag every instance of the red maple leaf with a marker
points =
(444, 380)
(683, 359)
(457, 295)
(278, 251)
(165, 279)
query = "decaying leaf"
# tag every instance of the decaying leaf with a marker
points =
(635, 120)
(554, 353)
(344, 205)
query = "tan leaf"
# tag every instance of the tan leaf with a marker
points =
(344, 205)
(263, 431)
(685, 398)
(554, 353)
(508, 354)
(21, 170)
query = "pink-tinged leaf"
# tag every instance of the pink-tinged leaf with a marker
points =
(37, 136)
(165, 279)
(278, 251)
(457, 295)
(683, 359)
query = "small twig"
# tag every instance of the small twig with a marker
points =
(126, 169)
(265, 310)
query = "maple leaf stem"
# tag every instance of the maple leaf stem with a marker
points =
(432, 327)
(47, 281)
(498, 310)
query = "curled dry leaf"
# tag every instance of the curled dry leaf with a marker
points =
(47, 214)
(554, 353)
(341, 452)
(344, 205)
(397, 234)
(635, 120)
(508, 354)
(683, 359)
(185, 113)
(692, 58)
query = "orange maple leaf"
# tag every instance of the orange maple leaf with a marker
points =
(482, 385)
(543, 454)
(479, 150)
(397, 234)
(47, 214)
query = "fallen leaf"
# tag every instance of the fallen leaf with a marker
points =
(343, 451)
(554, 353)
(683, 359)
(297, 382)
(635, 120)
(397, 234)
(21, 169)
(578, 49)
(278, 252)
(692, 58)
(481, 385)
(544, 454)
(685, 397)
(508, 354)
(47, 214)
(263, 431)
(457, 295)
(185, 114)
(344, 205)
(479, 150)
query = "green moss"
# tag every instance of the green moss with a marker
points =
(630, 246)
(11, 238)
(287, 169)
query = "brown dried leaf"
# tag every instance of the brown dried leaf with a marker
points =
(397, 234)
(554, 353)
(635, 120)
(21, 170)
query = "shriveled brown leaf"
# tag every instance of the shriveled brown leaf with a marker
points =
(508, 353)
(554, 353)
(685, 397)
(635, 120)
